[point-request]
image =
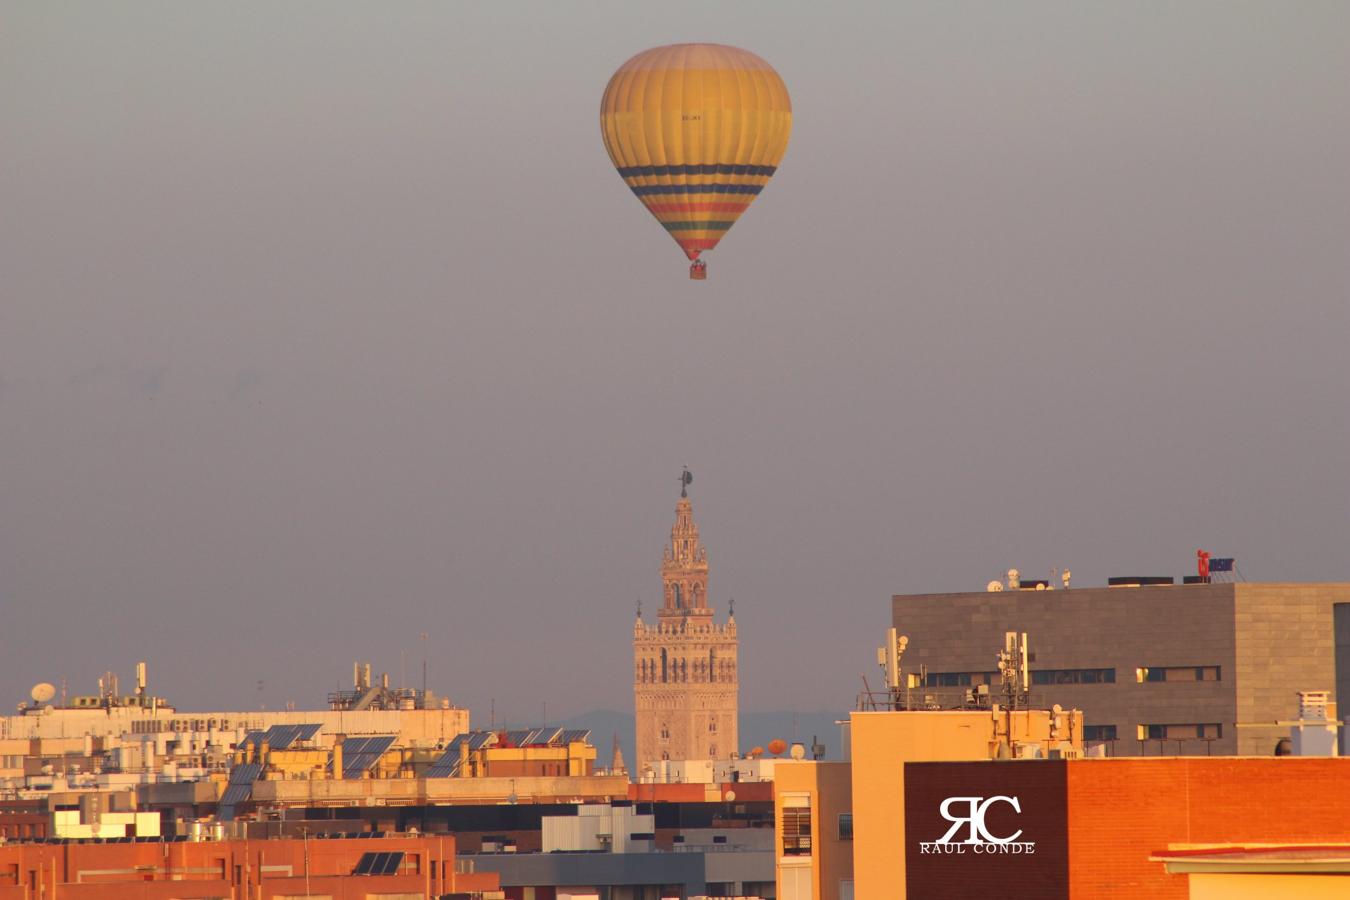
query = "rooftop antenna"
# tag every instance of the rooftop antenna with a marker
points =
(686, 479)
(888, 657)
(424, 669)
(1012, 665)
(1067, 574)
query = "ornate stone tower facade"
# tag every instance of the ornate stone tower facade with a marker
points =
(685, 682)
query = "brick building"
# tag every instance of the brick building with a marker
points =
(23, 819)
(338, 868)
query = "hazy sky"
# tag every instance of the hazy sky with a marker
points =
(323, 325)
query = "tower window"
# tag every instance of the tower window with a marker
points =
(675, 592)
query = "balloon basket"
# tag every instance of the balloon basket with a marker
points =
(698, 270)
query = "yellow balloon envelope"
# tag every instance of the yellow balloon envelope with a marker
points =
(696, 131)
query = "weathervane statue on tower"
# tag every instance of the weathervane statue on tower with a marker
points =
(686, 479)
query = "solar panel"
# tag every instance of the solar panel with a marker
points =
(280, 737)
(575, 734)
(240, 787)
(360, 754)
(445, 767)
(379, 864)
(253, 737)
(235, 794)
(517, 738)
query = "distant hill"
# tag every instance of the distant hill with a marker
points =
(757, 729)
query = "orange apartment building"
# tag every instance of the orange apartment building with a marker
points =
(883, 826)
(840, 825)
(241, 870)
(1098, 823)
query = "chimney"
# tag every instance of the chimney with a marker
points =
(337, 757)
(464, 757)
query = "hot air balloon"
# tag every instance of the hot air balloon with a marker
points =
(696, 131)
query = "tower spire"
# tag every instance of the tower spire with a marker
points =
(684, 566)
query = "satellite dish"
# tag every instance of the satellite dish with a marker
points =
(777, 746)
(1057, 709)
(729, 796)
(797, 752)
(994, 587)
(42, 692)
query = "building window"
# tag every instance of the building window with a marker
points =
(665, 732)
(846, 826)
(1073, 676)
(796, 829)
(960, 679)
(1178, 673)
(712, 726)
(1205, 731)
(1099, 733)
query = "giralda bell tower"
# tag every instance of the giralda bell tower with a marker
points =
(684, 667)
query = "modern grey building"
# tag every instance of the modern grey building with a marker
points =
(1158, 669)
